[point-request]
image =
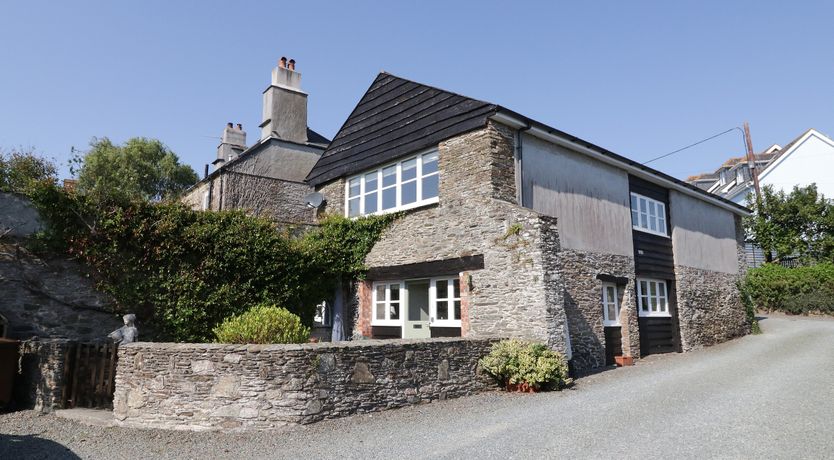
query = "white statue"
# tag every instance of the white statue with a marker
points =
(127, 333)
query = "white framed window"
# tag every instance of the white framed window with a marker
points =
(648, 215)
(322, 314)
(612, 297)
(444, 302)
(205, 204)
(388, 303)
(406, 184)
(652, 297)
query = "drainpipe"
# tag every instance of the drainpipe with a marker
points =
(519, 172)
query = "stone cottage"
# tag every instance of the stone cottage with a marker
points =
(267, 178)
(513, 228)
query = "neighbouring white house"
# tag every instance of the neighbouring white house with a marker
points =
(806, 160)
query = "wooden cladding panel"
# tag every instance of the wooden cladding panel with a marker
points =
(613, 344)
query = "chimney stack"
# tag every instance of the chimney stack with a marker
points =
(232, 144)
(285, 105)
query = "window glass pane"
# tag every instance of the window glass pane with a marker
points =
(612, 312)
(370, 182)
(389, 176)
(652, 289)
(353, 207)
(644, 289)
(653, 224)
(456, 288)
(634, 203)
(389, 198)
(380, 293)
(395, 292)
(644, 303)
(661, 225)
(429, 163)
(634, 218)
(643, 208)
(610, 292)
(409, 169)
(662, 289)
(394, 308)
(457, 309)
(442, 310)
(430, 186)
(644, 221)
(380, 310)
(409, 192)
(370, 203)
(353, 187)
(652, 211)
(442, 289)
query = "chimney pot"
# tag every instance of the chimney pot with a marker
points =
(239, 127)
(229, 124)
(291, 66)
(282, 63)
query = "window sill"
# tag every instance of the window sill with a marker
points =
(641, 229)
(408, 207)
(395, 322)
(656, 315)
(604, 324)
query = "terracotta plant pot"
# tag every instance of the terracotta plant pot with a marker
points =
(624, 361)
(522, 387)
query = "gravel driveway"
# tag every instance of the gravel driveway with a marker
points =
(770, 396)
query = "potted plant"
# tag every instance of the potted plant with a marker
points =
(526, 367)
(624, 360)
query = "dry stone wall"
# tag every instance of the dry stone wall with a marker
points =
(41, 379)
(215, 386)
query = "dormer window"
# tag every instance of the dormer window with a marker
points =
(406, 184)
(722, 178)
(740, 175)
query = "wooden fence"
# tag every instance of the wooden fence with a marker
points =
(90, 373)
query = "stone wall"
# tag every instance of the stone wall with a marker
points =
(51, 297)
(583, 305)
(710, 310)
(40, 382)
(18, 217)
(518, 292)
(215, 386)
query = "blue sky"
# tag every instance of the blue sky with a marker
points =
(639, 78)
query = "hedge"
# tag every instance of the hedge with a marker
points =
(800, 290)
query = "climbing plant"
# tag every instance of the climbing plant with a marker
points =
(186, 271)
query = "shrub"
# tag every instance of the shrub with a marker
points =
(799, 290)
(263, 323)
(514, 362)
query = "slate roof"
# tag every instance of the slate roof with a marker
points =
(396, 117)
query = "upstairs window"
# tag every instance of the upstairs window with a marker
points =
(648, 215)
(403, 185)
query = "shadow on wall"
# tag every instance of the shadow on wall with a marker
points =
(31, 447)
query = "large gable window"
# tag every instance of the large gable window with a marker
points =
(648, 215)
(403, 185)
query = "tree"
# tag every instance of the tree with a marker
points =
(143, 169)
(21, 169)
(797, 224)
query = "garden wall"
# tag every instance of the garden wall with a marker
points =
(216, 386)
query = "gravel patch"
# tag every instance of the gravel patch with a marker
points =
(766, 396)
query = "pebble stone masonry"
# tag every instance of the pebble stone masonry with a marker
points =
(218, 386)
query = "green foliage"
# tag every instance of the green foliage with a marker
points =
(263, 323)
(515, 361)
(800, 223)
(185, 271)
(799, 290)
(22, 170)
(141, 169)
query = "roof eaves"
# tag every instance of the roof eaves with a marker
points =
(651, 172)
